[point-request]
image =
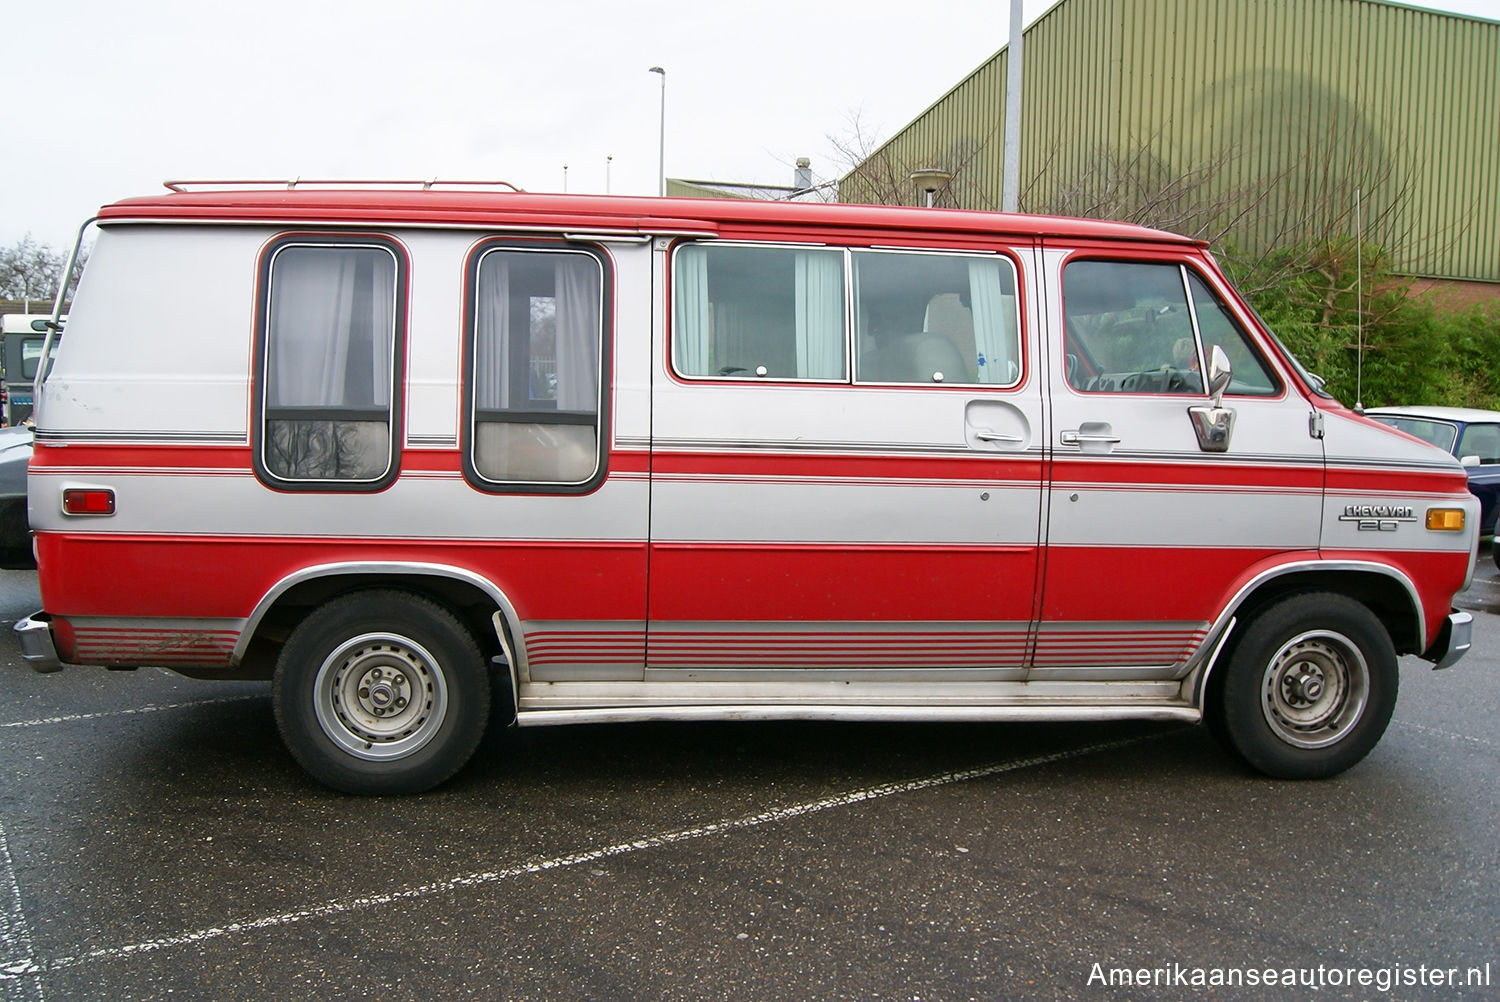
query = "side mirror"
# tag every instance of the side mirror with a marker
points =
(1470, 460)
(1219, 374)
(1212, 422)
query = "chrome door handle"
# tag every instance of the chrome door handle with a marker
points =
(1079, 438)
(986, 435)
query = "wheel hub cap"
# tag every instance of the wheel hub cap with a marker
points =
(1316, 688)
(380, 696)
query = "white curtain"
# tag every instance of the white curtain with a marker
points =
(576, 290)
(996, 338)
(314, 329)
(492, 335)
(820, 315)
(692, 329)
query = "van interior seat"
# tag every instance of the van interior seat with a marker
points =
(915, 358)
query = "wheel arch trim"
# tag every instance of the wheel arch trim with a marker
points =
(1218, 635)
(505, 619)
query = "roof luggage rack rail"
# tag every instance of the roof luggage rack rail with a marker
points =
(423, 184)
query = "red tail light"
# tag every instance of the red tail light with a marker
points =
(88, 501)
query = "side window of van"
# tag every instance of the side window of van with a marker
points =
(328, 363)
(1252, 376)
(534, 348)
(1128, 328)
(769, 312)
(935, 318)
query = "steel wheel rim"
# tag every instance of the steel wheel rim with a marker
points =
(1315, 689)
(380, 696)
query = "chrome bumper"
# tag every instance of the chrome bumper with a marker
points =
(35, 634)
(1453, 640)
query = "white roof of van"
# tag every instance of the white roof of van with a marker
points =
(1468, 415)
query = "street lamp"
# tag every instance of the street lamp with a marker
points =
(661, 135)
(931, 180)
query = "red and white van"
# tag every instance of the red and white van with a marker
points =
(411, 452)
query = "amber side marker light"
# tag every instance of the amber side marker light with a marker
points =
(1445, 519)
(100, 501)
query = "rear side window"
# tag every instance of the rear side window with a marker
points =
(936, 318)
(758, 312)
(779, 312)
(331, 325)
(535, 354)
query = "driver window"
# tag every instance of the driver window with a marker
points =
(1128, 329)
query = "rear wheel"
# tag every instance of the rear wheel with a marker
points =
(1309, 688)
(381, 692)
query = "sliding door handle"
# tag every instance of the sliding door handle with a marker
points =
(1082, 438)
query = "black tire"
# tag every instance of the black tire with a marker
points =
(381, 692)
(15, 537)
(1309, 688)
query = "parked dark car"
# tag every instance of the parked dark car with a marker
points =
(1471, 435)
(15, 531)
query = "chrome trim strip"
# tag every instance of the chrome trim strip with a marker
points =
(1226, 619)
(252, 622)
(511, 668)
(376, 225)
(624, 714)
(1200, 684)
(792, 677)
(85, 437)
(855, 449)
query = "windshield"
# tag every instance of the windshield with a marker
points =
(1438, 433)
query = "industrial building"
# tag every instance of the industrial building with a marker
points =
(1254, 123)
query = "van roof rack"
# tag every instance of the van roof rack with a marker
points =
(423, 184)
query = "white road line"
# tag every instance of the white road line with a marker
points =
(333, 909)
(1450, 735)
(20, 976)
(136, 710)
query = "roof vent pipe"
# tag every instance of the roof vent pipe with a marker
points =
(802, 176)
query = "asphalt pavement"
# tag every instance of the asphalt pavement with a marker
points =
(157, 842)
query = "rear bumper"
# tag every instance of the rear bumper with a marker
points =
(1453, 640)
(35, 635)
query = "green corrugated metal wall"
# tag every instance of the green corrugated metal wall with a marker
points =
(1283, 105)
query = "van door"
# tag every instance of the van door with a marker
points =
(1148, 529)
(846, 466)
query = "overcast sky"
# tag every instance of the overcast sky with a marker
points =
(116, 96)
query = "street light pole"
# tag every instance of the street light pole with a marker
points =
(661, 135)
(1010, 181)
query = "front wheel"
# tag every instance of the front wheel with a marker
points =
(381, 692)
(1309, 687)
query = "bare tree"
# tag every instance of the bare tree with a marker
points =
(880, 173)
(30, 271)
